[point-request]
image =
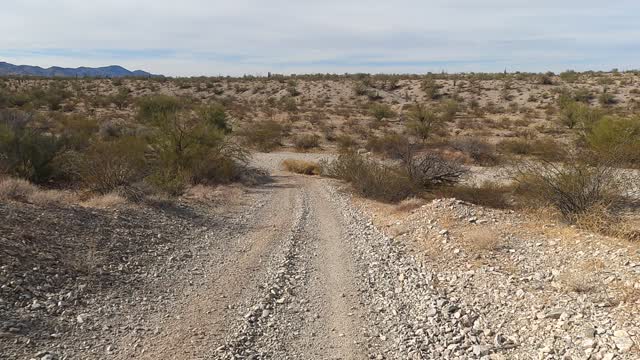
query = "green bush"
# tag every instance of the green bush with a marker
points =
(155, 109)
(616, 138)
(121, 98)
(423, 122)
(263, 135)
(381, 111)
(569, 76)
(27, 148)
(607, 99)
(369, 178)
(431, 88)
(216, 116)
(188, 147)
(573, 114)
(545, 149)
(394, 146)
(346, 143)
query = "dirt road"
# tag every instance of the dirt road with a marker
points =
(291, 271)
(306, 277)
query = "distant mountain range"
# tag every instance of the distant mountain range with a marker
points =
(113, 71)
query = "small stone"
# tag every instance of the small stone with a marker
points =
(623, 343)
(481, 350)
(588, 343)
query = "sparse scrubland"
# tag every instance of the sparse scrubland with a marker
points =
(522, 191)
(138, 137)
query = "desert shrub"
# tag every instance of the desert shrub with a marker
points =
(545, 79)
(345, 143)
(381, 111)
(107, 166)
(573, 113)
(423, 122)
(115, 128)
(391, 145)
(301, 167)
(515, 147)
(569, 76)
(583, 95)
(488, 194)
(431, 88)
(215, 115)
(572, 188)
(289, 104)
(306, 141)
(545, 149)
(432, 170)
(187, 148)
(75, 131)
(263, 135)
(121, 98)
(369, 178)
(607, 99)
(360, 88)
(479, 150)
(27, 149)
(155, 108)
(53, 97)
(616, 138)
(449, 109)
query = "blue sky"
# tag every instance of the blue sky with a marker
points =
(211, 37)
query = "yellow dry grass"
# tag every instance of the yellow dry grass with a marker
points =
(301, 167)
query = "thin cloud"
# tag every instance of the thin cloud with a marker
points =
(198, 37)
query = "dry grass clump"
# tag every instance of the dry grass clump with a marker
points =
(583, 278)
(482, 240)
(578, 281)
(16, 189)
(23, 191)
(106, 201)
(51, 198)
(601, 219)
(301, 167)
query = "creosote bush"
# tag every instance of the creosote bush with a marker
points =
(370, 178)
(617, 139)
(28, 149)
(263, 135)
(423, 122)
(482, 152)
(573, 188)
(381, 111)
(174, 144)
(306, 141)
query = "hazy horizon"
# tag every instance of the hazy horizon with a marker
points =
(196, 37)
